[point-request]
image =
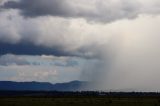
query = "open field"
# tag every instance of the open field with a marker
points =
(78, 101)
(88, 98)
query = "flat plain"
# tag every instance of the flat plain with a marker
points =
(79, 101)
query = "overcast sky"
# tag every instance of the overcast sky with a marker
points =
(113, 43)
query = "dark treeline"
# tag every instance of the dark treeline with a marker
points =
(78, 94)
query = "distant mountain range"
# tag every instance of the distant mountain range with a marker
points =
(43, 86)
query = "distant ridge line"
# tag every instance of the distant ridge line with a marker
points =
(42, 86)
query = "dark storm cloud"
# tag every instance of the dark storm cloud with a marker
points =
(101, 11)
(94, 11)
(29, 49)
(34, 8)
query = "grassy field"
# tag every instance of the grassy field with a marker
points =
(79, 101)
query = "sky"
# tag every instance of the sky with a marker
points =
(112, 43)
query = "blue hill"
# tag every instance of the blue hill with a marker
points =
(42, 86)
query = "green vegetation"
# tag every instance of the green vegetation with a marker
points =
(79, 101)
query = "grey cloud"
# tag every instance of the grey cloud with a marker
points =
(40, 7)
(10, 59)
(69, 63)
(48, 35)
(103, 11)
